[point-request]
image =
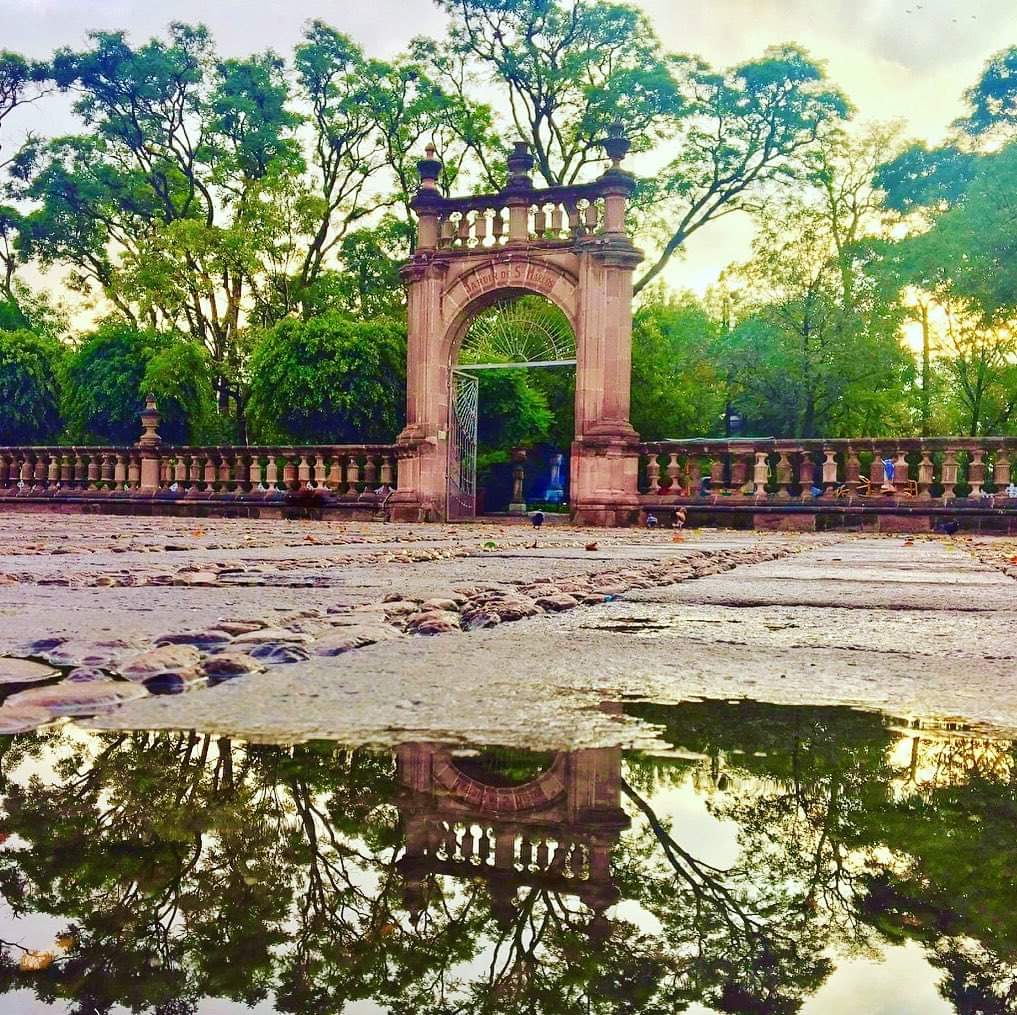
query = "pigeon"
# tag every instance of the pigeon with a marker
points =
(679, 518)
(651, 521)
(537, 519)
(948, 528)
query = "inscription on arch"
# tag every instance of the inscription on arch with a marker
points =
(532, 275)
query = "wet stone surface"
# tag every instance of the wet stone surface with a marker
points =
(497, 634)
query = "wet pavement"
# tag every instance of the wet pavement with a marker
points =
(313, 768)
(324, 628)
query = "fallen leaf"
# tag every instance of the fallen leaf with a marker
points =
(591, 546)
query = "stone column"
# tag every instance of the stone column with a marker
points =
(423, 443)
(149, 446)
(605, 455)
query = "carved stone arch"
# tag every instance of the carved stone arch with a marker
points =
(566, 244)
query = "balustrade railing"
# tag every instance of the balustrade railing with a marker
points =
(345, 471)
(926, 468)
(555, 215)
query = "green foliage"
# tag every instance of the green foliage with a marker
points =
(107, 377)
(992, 100)
(677, 390)
(328, 379)
(29, 384)
(920, 177)
(513, 413)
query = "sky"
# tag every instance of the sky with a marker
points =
(895, 59)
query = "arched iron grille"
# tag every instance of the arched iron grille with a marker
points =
(527, 330)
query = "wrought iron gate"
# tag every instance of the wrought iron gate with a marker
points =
(462, 446)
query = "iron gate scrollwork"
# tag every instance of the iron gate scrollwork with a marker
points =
(462, 446)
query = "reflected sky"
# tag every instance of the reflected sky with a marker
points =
(780, 859)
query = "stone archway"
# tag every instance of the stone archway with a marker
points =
(566, 244)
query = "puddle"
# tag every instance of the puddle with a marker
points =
(775, 859)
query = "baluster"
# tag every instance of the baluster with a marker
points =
(497, 226)
(254, 473)
(760, 473)
(272, 472)
(716, 474)
(209, 472)
(590, 216)
(387, 472)
(539, 222)
(463, 232)
(120, 472)
(556, 222)
(467, 844)
(976, 472)
(27, 470)
(653, 473)
(900, 473)
(304, 472)
(877, 473)
(319, 469)
(335, 473)
(92, 472)
(784, 474)
(353, 476)
(447, 233)
(194, 473)
(166, 464)
(66, 470)
(107, 470)
(1001, 471)
(693, 476)
(370, 474)
(480, 227)
(133, 471)
(80, 471)
(5, 471)
(852, 472)
(181, 468)
(40, 472)
(949, 474)
(542, 855)
(925, 476)
(289, 472)
(829, 471)
(223, 473)
(806, 474)
(243, 472)
(484, 847)
(673, 473)
(575, 221)
(740, 461)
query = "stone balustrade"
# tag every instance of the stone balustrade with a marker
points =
(343, 471)
(940, 468)
(556, 215)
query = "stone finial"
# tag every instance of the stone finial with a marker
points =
(149, 423)
(429, 169)
(520, 163)
(616, 144)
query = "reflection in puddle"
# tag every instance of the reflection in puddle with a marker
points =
(777, 860)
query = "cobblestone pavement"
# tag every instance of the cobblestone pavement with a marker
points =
(290, 630)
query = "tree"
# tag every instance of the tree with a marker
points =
(804, 360)
(568, 69)
(166, 204)
(330, 379)
(677, 390)
(107, 377)
(29, 386)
